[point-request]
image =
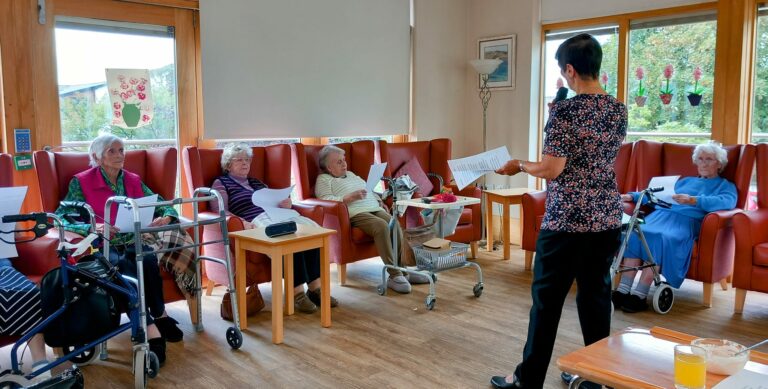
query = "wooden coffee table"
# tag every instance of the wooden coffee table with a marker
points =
(638, 358)
(280, 250)
(505, 197)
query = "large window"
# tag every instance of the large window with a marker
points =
(84, 49)
(608, 38)
(674, 59)
(760, 97)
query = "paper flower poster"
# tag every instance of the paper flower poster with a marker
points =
(131, 97)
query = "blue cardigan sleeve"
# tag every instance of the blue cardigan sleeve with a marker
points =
(723, 197)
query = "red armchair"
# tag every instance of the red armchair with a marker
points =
(750, 271)
(349, 244)
(533, 203)
(6, 170)
(713, 252)
(433, 157)
(269, 165)
(156, 167)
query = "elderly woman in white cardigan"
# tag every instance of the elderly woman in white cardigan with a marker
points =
(365, 211)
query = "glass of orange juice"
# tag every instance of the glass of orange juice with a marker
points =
(690, 367)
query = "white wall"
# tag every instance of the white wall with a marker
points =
(564, 10)
(440, 70)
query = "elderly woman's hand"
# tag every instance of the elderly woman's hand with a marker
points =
(160, 221)
(112, 229)
(626, 197)
(354, 196)
(285, 203)
(684, 199)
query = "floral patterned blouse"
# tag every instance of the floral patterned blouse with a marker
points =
(588, 131)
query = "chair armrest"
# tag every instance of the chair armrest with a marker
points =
(335, 217)
(330, 207)
(716, 245)
(38, 256)
(469, 191)
(314, 212)
(750, 229)
(533, 205)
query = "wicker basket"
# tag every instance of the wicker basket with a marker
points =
(437, 260)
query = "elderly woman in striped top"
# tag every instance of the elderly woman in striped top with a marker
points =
(366, 212)
(236, 189)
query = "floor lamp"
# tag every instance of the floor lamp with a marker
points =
(484, 67)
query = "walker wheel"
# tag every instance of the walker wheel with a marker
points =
(430, 303)
(663, 298)
(85, 357)
(381, 289)
(576, 383)
(154, 365)
(434, 277)
(139, 369)
(478, 289)
(234, 338)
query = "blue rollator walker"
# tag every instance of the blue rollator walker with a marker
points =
(663, 296)
(428, 262)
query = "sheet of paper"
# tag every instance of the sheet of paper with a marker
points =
(374, 175)
(11, 204)
(625, 218)
(668, 183)
(745, 379)
(268, 200)
(124, 221)
(468, 169)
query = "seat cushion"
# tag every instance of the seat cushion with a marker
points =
(413, 169)
(760, 255)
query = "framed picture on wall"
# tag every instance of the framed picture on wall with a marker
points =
(503, 48)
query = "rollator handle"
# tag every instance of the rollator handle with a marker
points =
(656, 189)
(24, 218)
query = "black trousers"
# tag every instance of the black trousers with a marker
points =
(306, 266)
(561, 258)
(125, 260)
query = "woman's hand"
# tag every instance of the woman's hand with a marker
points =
(626, 197)
(510, 168)
(112, 229)
(354, 196)
(160, 221)
(248, 225)
(285, 203)
(684, 199)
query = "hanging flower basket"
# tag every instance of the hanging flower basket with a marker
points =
(694, 99)
(666, 98)
(640, 100)
(666, 91)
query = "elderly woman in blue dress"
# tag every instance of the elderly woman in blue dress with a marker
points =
(670, 232)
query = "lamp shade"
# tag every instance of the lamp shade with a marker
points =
(485, 66)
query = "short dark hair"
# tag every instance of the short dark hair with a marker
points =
(583, 52)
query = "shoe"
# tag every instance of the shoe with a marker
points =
(399, 284)
(417, 278)
(167, 327)
(302, 303)
(314, 296)
(634, 303)
(157, 346)
(500, 382)
(618, 299)
(42, 377)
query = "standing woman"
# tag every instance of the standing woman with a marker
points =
(582, 222)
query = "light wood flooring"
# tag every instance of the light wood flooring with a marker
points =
(394, 342)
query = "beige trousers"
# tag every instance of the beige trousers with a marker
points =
(376, 225)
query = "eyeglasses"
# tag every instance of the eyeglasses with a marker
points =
(241, 160)
(706, 161)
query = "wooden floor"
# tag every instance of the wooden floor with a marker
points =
(394, 342)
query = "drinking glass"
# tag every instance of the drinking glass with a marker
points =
(690, 367)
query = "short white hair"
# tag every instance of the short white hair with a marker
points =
(715, 148)
(324, 153)
(100, 145)
(231, 150)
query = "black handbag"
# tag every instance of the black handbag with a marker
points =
(92, 311)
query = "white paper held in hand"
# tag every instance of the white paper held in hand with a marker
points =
(668, 183)
(468, 169)
(124, 221)
(11, 204)
(268, 200)
(374, 175)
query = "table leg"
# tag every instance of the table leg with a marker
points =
(240, 275)
(288, 277)
(488, 223)
(325, 283)
(277, 297)
(505, 229)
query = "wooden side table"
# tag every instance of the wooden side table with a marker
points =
(281, 249)
(505, 197)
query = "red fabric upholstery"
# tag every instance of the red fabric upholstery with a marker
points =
(751, 230)
(269, 165)
(156, 167)
(6, 170)
(433, 157)
(534, 203)
(713, 255)
(348, 244)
